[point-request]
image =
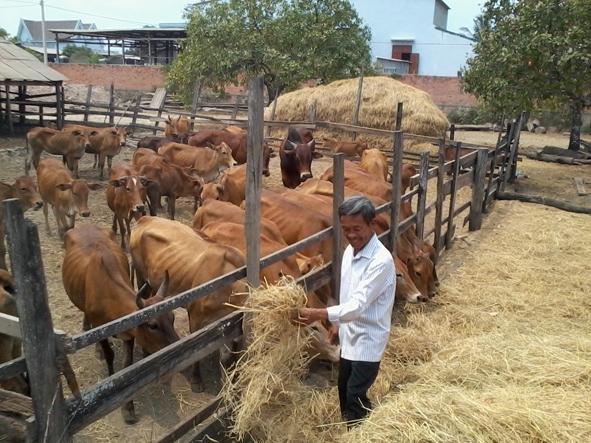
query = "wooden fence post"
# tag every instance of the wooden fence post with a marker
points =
(9, 110)
(396, 186)
(313, 112)
(355, 121)
(254, 160)
(508, 147)
(195, 104)
(22, 96)
(37, 332)
(440, 196)
(399, 110)
(493, 165)
(478, 190)
(112, 104)
(452, 132)
(88, 98)
(338, 195)
(59, 105)
(138, 103)
(513, 154)
(422, 200)
(449, 235)
(273, 109)
(235, 110)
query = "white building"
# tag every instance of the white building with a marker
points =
(412, 36)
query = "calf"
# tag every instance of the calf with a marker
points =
(67, 144)
(173, 182)
(296, 159)
(177, 129)
(348, 148)
(152, 143)
(229, 187)
(25, 190)
(207, 163)
(96, 277)
(10, 347)
(125, 197)
(375, 163)
(66, 195)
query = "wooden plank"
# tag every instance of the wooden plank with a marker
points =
(187, 425)
(580, 186)
(478, 190)
(493, 166)
(158, 102)
(254, 183)
(9, 325)
(409, 195)
(463, 181)
(114, 391)
(39, 344)
(112, 104)
(296, 247)
(215, 430)
(9, 111)
(355, 119)
(506, 150)
(129, 321)
(235, 109)
(195, 103)
(396, 188)
(136, 110)
(12, 368)
(319, 277)
(88, 98)
(399, 111)
(313, 112)
(422, 200)
(452, 200)
(515, 151)
(338, 195)
(440, 197)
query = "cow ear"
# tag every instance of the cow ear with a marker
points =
(64, 186)
(317, 155)
(220, 188)
(145, 181)
(273, 155)
(95, 186)
(210, 146)
(114, 132)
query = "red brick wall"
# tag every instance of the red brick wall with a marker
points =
(443, 90)
(123, 76)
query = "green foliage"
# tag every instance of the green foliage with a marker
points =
(473, 116)
(536, 54)
(287, 41)
(93, 57)
(4, 33)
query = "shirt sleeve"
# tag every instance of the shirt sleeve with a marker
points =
(374, 282)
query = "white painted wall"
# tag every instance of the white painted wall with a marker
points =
(440, 53)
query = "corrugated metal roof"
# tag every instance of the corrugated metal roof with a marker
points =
(16, 64)
(35, 27)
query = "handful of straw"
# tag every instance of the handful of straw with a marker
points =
(266, 381)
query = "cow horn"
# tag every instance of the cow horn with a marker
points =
(163, 289)
(144, 291)
(293, 145)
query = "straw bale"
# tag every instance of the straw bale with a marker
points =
(502, 355)
(336, 103)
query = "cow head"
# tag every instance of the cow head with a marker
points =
(267, 155)
(25, 190)
(159, 332)
(134, 191)
(77, 195)
(302, 156)
(82, 138)
(122, 133)
(406, 290)
(225, 159)
(308, 264)
(420, 270)
(320, 346)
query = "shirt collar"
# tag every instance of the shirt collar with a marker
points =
(369, 249)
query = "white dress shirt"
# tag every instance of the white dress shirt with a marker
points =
(368, 283)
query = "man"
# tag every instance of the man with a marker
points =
(363, 317)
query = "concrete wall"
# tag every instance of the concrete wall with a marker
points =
(443, 90)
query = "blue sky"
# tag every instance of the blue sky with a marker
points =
(110, 14)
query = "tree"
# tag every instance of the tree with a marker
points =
(288, 41)
(4, 33)
(480, 24)
(69, 50)
(536, 55)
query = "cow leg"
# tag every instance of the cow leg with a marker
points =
(60, 219)
(86, 326)
(122, 230)
(128, 410)
(114, 227)
(45, 213)
(108, 354)
(101, 165)
(109, 165)
(96, 160)
(128, 224)
(171, 206)
(75, 165)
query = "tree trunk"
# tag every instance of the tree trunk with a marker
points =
(273, 91)
(576, 109)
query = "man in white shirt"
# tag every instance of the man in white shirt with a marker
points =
(363, 317)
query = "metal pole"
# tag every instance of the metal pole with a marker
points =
(43, 33)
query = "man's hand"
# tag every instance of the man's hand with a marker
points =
(310, 315)
(333, 335)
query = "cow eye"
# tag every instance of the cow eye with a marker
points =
(418, 274)
(75, 193)
(128, 189)
(23, 189)
(314, 328)
(398, 276)
(153, 326)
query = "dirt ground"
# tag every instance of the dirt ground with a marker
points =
(167, 403)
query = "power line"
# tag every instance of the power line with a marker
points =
(18, 1)
(99, 16)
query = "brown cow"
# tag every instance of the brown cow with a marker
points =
(66, 195)
(125, 197)
(25, 190)
(191, 260)
(235, 130)
(10, 347)
(374, 162)
(229, 187)
(152, 143)
(173, 182)
(406, 290)
(177, 129)
(213, 211)
(96, 277)
(237, 142)
(145, 156)
(207, 163)
(69, 144)
(348, 148)
(296, 159)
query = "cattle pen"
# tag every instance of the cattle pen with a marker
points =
(58, 415)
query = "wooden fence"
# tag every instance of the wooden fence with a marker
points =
(58, 415)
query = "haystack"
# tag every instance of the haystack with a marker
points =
(502, 355)
(336, 103)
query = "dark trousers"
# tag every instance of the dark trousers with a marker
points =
(355, 379)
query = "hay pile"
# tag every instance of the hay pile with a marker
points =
(336, 103)
(502, 355)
